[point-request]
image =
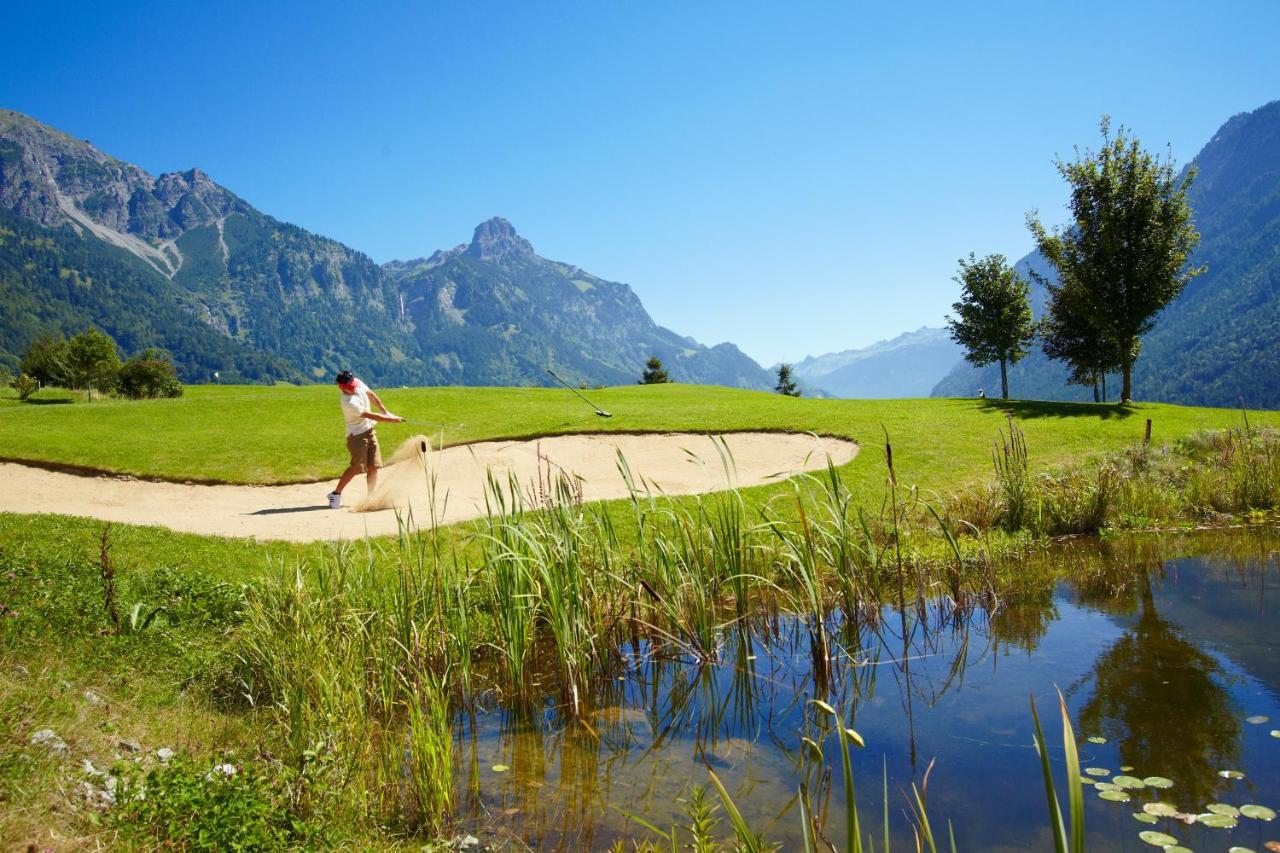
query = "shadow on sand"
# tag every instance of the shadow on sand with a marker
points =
(283, 510)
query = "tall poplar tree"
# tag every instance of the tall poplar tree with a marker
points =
(1123, 256)
(993, 317)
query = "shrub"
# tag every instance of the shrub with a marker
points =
(149, 374)
(25, 385)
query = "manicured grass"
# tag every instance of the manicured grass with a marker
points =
(255, 434)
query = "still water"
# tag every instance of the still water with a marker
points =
(1164, 647)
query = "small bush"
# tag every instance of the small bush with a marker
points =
(148, 375)
(25, 386)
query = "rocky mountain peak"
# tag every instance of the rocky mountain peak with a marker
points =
(496, 239)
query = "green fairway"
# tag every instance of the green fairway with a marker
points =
(258, 434)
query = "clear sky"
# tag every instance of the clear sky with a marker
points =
(795, 177)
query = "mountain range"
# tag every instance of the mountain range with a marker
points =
(906, 366)
(1219, 342)
(180, 262)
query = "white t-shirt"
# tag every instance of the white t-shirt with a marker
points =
(354, 406)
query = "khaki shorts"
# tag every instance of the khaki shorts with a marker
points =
(365, 453)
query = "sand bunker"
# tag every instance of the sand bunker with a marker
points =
(675, 464)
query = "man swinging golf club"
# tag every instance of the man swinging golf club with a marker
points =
(362, 441)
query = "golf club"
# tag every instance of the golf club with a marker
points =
(599, 411)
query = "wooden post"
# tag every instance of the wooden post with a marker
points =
(1146, 436)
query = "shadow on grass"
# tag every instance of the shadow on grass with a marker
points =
(47, 401)
(1027, 409)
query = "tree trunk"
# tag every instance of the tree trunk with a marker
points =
(1104, 387)
(1126, 390)
(1095, 391)
(1004, 380)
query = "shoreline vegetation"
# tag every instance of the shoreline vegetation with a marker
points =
(330, 680)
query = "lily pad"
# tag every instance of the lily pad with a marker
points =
(1258, 812)
(1257, 719)
(500, 768)
(1176, 848)
(1223, 808)
(1275, 732)
(1217, 821)
(1126, 768)
(1143, 817)
(1085, 780)
(1160, 809)
(1241, 850)
(1230, 774)
(1106, 786)
(1097, 771)
(1114, 796)
(1157, 782)
(1129, 782)
(1096, 739)
(1157, 839)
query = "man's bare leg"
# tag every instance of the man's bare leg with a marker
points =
(347, 476)
(371, 479)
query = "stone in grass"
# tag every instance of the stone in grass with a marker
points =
(165, 754)
(49, 739)
(129, 745)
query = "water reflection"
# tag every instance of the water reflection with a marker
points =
(1163, 655)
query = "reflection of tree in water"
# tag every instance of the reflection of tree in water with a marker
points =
(1023, 624)
(1162, 699)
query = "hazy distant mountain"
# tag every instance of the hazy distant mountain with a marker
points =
(1220, 340)
(180, 262)
(906, 366)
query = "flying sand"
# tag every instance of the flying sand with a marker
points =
(675, 464)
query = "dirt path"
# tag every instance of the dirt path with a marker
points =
(674, 463)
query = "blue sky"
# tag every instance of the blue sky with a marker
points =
(797, 178)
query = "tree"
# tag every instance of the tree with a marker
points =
(25, 386)
(149, 374)
(1123, 257)
(1067, 335)
(45, 360)
(786, 385)
(653, 372)
(993, 317)
(93, 361)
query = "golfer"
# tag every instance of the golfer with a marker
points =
(362, 441)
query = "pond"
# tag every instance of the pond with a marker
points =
(1164, 647)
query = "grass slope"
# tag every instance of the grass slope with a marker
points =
(256, 434)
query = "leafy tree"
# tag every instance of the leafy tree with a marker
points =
(45, 360)
(1123, 257)
(93, 360)
(149, 374)
(1067, 335)
(786, 384)
(993, 317)
(653, 372)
